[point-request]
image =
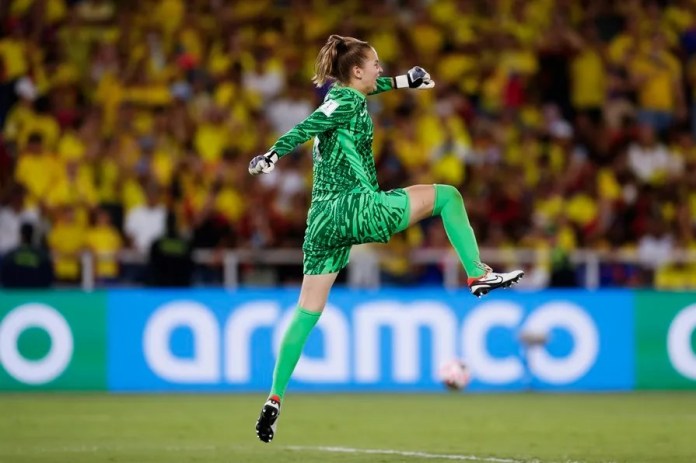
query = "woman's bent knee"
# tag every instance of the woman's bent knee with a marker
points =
(447, 191)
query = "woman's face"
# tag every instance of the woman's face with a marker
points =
(369, 72)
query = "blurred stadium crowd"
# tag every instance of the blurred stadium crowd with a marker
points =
(565, 124)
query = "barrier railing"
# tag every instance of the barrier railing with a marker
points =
(364, 267)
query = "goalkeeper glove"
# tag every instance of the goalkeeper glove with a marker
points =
(416, 77)
(263, 163)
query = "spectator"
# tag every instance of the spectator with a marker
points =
(66, 240)
(24, 92)
(562, 270)
(105, 243)
(656, 76)
(37, 169)
(648, 158)
(656, 245)
(290, 109)
(12, 215)
(145, 223)
(26, 266)
(267, 77)
(171, 262)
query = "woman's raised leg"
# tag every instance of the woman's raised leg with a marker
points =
(447, 202)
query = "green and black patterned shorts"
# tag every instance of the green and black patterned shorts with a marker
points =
(335, 225)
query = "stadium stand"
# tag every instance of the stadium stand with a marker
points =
(568, 126)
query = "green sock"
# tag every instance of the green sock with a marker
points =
(291, 348)
(450, 206)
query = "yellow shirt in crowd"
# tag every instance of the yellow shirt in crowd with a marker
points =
(104, 241)
(14, 54)
(588, 84)
(66, 240)
(37, 173)
(658, 76)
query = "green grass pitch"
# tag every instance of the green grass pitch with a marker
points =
(496, 428)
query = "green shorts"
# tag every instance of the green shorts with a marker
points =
(334, 226)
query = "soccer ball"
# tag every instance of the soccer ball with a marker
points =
(455, 375)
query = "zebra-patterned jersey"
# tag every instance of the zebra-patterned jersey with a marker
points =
(342, 151)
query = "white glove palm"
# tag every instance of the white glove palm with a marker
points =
(416, 77)
(263, 163)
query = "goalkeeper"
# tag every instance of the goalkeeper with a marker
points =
(347, 205)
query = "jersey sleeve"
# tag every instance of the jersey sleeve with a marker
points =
(335, 112)
(383, 84)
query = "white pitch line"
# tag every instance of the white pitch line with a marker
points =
(422, 455)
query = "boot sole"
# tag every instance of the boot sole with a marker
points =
(483, 290)
(265, 424)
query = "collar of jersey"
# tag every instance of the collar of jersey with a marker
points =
(357, 92)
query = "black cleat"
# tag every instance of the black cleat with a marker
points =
(266, 424)
(483, 285)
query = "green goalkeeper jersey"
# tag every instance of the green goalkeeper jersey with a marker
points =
(342, 152)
